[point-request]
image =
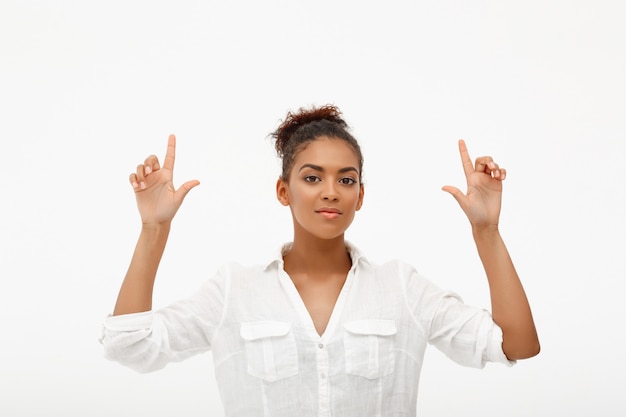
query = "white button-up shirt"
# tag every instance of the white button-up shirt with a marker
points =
(269, 359)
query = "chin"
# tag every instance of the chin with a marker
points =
(322, 231)
(328, 234)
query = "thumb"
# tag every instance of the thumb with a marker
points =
(456, 193)
(185, 188)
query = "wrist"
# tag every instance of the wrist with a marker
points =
(485, 231)
(155, 228)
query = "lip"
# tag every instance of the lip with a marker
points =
(328, 210)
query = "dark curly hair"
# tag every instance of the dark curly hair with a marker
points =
(305, 126)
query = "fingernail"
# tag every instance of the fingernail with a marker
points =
(492, 165)
(142, 185)
(135, 185)
(148, 170)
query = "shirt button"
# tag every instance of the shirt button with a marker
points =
(321, 346)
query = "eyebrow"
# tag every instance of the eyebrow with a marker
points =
(320, 169)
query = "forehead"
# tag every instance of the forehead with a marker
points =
(327, 153)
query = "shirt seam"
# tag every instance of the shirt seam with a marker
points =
(227, 289)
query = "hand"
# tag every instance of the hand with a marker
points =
(483, 199)
(157, 199)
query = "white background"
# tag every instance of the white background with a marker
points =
(89, 89)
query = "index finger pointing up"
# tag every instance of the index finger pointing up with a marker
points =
(468, 167)
(170, 155)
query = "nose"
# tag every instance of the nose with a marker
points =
(329, 193)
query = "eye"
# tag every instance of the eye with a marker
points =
(312, 178)
(347, 181)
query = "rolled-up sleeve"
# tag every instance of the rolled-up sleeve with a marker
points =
(466, 334)
(147, 341)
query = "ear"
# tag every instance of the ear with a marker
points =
(359, 203)
(282, 193)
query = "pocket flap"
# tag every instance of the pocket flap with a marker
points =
(261, 329)
(372, 326)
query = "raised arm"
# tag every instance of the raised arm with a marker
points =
(481, 203)
(157, 201)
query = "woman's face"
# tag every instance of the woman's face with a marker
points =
(323, 190)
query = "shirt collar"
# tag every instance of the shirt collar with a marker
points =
(355, 254)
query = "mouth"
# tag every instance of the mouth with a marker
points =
(329, 212)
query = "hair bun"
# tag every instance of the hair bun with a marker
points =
(294, 121)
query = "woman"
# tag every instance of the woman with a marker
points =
(319, 330)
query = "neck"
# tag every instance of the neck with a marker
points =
(317, 256)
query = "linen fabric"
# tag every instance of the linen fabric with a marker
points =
(270, 361)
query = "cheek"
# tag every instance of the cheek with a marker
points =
(300, 196)
(351, 203)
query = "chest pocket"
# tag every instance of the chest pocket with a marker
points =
(369, 347)
(270, 349)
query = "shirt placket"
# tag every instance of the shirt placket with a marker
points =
(323, 377)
